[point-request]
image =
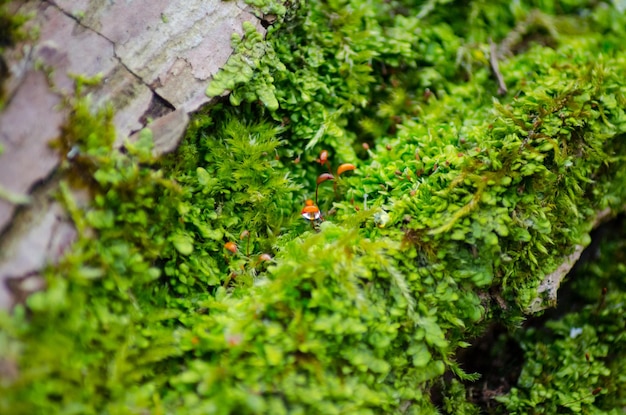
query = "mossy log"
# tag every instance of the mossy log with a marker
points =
(250, 271)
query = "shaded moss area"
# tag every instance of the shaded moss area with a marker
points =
(197, 287)
(575, 362)
(10, 34)
(569, 357)
(9, 27)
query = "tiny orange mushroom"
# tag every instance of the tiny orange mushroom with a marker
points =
(310, 211)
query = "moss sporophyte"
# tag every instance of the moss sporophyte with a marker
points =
(323, 160)
(469, 202)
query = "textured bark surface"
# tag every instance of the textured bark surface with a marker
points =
(156, 58)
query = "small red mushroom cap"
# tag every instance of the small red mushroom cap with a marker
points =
(310, 211)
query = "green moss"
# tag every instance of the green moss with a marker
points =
(10, 25)
(248, 70)
(576, 363)
(455, 213)
(10, 33)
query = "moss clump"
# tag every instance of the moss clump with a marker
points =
(196, 286)
(248, 72)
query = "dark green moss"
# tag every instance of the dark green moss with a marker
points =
(576, 363)
(9, 27)
(10, 33)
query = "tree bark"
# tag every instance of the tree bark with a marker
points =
(156, 58)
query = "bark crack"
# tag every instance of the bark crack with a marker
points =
(113, 44)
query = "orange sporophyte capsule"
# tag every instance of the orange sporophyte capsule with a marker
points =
(323, 177)
(345, 167)
(323, 157)
(231, 246)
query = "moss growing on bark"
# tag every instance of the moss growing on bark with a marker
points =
(575, 363)
(10, 34)
(197, 286)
